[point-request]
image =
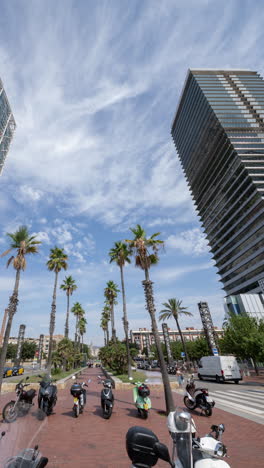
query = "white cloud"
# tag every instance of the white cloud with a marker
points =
(172, 273)
(191, 242)
(42, 236)
(29, 193)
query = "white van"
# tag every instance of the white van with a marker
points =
(220, 368)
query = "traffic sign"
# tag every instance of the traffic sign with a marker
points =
(182, 354)
(215, 351)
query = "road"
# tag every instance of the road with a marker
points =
(28, 371)
(245, 399)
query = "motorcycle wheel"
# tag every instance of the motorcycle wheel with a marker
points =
(76, 411)
(208, 411)
(9, 412)
(107, 412)
(188, 403)
(143, 413)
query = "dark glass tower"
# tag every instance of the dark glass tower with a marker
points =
(7, 126)
(218, 131)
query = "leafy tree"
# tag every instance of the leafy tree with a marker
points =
(110, 293)
(11, 351)
(198, 348)
(120, 254)
(173, 308)
(64, 354)
(24, 244)
(68, 286)
(28, 350)
(57, 262)
(114, 356)
(145, 251)
(244, 337)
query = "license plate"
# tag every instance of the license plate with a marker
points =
(146, 406)
(75, 400)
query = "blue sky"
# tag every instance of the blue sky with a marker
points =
(94, 86)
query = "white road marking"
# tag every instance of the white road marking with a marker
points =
(224, 402)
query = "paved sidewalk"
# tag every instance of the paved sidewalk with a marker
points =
(91, 441)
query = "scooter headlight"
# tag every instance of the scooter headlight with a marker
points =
(220, 450)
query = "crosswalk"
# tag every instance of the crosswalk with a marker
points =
(244, 402)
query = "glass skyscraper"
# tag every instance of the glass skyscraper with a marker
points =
(218, 131)
(7, 126)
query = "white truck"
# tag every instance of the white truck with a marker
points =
(220, 368)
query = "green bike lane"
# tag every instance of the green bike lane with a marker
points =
(91, 441)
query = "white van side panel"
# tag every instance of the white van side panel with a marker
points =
(213, 366)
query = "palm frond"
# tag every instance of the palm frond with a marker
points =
(9, 261)
(164, 315)
(6, 252)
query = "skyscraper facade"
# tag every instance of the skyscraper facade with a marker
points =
(218, 131)
(7, 126)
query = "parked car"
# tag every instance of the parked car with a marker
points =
(18, 370)
(7, 372)
(154, 364)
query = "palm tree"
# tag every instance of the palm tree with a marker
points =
(82, 329)
(69, 286)
(110, 292)
(105, 317)
(104, 326)
(24, 244)
(78, 312)
(120, 254)
(145, 251)
(57, 261)
(175, 309)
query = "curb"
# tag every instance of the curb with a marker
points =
(119, 385)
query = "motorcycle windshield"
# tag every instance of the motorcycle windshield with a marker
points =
(180, 427)
(21, 436)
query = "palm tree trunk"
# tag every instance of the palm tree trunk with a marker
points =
(125, 322)
(113, 322)
(147, 285)
(76, 334)
(12, 307)
(107, 335)
(82, 345)
(52, 321)
(182, 339)
(66, 333)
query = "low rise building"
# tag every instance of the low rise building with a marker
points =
(190, 334)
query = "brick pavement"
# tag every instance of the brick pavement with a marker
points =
(91, 441)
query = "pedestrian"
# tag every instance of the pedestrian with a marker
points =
(180, 378)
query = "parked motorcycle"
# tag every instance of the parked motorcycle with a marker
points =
(144, 448)
(198, 398)
(79, 396)
(47, 396)
(107, 397)
(21, 405)
(142, 401)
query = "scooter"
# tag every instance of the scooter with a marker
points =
(27, 458)
(47, 396)
(79, 396)
(23, 402)
(142, 401)
(107, 397)
(198, 398)
(144, 448)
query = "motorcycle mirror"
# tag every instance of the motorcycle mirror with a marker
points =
(40, 376)
(27, 377)
(221, 427)
(36, 447)
(3, 433)
(162, 451)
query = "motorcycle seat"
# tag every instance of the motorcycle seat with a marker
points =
(31, 393)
